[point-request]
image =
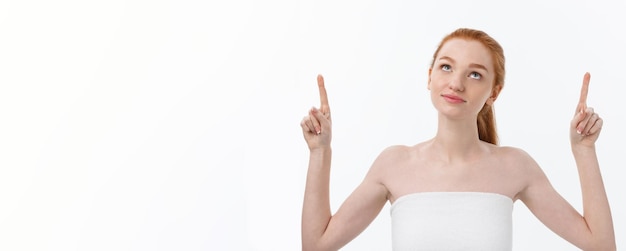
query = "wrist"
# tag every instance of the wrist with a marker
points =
(583, 149)
(320, 151)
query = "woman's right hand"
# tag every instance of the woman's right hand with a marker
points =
(316, 126)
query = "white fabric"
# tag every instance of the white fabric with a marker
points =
(452, 221)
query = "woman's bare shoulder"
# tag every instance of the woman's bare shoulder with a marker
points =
(513, 153)
(393, 153)
(518, 158)
(398, 155)
(400, 152)
(389, 161)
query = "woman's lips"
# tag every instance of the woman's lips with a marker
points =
(453, 98)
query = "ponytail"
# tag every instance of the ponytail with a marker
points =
(487, 125)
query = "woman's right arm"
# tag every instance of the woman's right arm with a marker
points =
(320, 229)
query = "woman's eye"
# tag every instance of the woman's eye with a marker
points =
(475, 75)
(446, 67)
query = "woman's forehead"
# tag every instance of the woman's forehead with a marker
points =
(466, 51)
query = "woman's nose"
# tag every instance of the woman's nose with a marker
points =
(456, 83)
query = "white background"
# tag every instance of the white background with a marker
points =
(174, 125)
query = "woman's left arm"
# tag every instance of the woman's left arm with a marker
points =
(593, 230)
(584, 131)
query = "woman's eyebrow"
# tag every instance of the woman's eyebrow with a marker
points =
(447, 58)
(479, 66)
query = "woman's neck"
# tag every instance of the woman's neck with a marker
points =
(457, 140)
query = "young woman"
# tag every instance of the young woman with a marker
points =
(456, 191)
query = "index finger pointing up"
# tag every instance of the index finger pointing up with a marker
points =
(324, 107)
(582, 103)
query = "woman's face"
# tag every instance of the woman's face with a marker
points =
(461, 80)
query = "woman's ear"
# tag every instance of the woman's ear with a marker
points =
(494, 94)
(430, 70)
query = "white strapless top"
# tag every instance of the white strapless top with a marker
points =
(452, 221)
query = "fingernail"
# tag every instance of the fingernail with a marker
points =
(578, 131)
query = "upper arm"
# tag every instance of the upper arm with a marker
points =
(549, 206)
(361, 207)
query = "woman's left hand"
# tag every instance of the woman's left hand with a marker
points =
(586, 124)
